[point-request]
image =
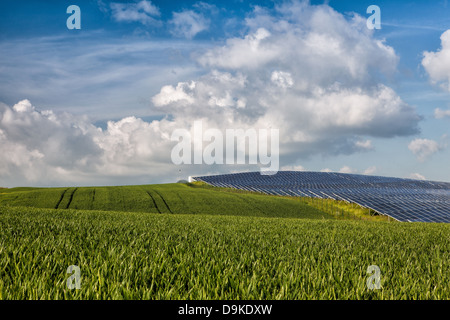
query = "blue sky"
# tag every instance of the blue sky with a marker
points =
(88, 106)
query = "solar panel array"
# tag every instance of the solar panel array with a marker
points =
(401, 199)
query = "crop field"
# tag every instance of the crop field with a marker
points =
(164, 198)
(181, 242)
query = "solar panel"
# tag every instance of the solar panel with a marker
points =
(401, 199)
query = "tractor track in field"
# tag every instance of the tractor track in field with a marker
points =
(61, 198)
(93, 199)
(154, 202)
(71, 198)
(162, 198)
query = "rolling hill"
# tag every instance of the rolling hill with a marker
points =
(164, 198)
(180, 241)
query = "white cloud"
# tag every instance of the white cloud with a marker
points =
(243, 53)
(423, 148)
(142, 11)
(188, 24)
(169, 95)
(46, 148)
(370, 170)
(282, 79)
(311, 74)
(347, 169)
(417, 176)
(32, 142)
(364, 145)
(439, 114)
(437, 64)
(293, 168)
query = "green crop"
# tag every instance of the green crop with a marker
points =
(191, 241)
(125, 255)
(164, 198)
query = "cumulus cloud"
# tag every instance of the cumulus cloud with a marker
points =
(181, 94)
(417, 176)
(188, 23)
(364, 145)
(440, 114)
(347, 169)
(305, 70)
(293, 168)
(424, 148)
(32, 141)
(243, 53)
(47, 148)
(371, 170)
(142, 11)
(282, 79)
(437, 64)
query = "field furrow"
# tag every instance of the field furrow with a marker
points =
(153, 201)
(60, 199)
(71, 198)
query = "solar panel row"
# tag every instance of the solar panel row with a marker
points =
(401, 199)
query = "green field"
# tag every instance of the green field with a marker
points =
(178, 241)
(165, 198)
